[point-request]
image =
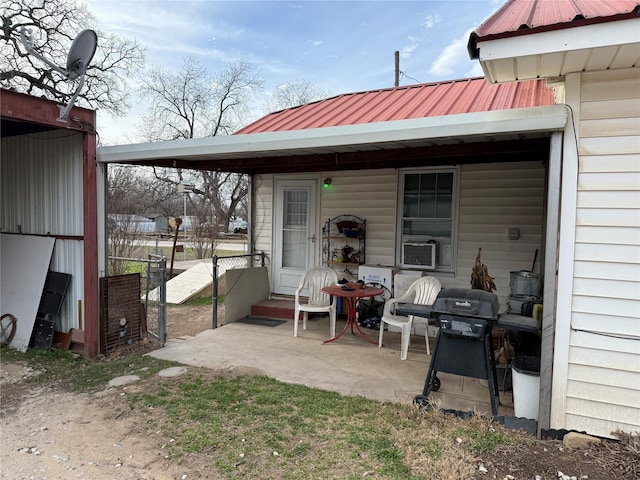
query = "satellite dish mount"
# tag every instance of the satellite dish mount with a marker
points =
(80, 54)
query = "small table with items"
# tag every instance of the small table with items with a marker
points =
(351, 297)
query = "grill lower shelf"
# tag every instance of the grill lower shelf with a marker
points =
(463, 347)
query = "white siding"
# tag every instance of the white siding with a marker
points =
(261, 227)
(494, 198)
(603, 381)
(369, 194)
(41, 190)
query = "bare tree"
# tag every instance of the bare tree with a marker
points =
(54, 24)
(124, 234)
(293, 94)
(234, 88)
(190, 104)
(203, 237)
(216, 197)
(179, 102)
(230, 194)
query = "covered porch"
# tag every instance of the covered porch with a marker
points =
(349, 366)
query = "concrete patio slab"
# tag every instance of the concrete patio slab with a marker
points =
(350, 365)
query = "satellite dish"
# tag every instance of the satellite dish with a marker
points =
(80, 54)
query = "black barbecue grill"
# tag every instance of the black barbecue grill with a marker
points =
(463, 344)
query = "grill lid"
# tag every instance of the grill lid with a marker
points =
(467, 302)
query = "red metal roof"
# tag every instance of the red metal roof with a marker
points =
(401, 103)
(521, 17)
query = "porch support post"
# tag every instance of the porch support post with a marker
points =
(214, 294)
(90, 240)
(550, 281)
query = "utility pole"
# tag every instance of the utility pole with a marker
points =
(396, 83)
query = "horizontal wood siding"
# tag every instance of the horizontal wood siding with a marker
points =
(372, 195)
(494, 198)
(603, 384)
(262, 227)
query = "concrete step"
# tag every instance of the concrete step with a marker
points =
(283, 308)
(274, 308)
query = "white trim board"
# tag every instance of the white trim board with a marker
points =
(345, 138)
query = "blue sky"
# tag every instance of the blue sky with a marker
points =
(340, 46)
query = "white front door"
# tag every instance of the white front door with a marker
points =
(295, 233)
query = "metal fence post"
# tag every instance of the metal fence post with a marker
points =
(215, 292)
(162, 310)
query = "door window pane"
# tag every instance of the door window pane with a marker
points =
(295, 208)
(294, 231)
(294, 250)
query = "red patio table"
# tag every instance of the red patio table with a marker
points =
(352, 297)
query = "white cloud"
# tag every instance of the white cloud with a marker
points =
(432, 20)
(315, 43)
(407, 50)
(452, 56)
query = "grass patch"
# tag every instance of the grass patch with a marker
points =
(200, 302)
(61, 367)
(482, 436)
(241, 426)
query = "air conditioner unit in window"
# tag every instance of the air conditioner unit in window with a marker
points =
(419, 255)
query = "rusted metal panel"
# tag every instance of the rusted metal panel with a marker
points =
(39, 113)
(402, 103)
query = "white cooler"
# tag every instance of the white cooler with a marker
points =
(381, 274)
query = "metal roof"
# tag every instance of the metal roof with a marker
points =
(522, 17)
(402, 103)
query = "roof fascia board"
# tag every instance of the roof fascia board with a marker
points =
(569, 39)
(533, 119)
(27, 108)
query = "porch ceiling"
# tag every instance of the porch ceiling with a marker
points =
(372, 157)
(519, 134)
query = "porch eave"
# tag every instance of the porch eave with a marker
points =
(246, 153)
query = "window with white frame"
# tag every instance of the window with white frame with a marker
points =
(428, 205)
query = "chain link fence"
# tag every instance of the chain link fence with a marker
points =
(220, 266)
(153, 282)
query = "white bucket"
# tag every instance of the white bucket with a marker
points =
(526, 388)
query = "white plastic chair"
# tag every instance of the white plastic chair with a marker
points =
(423, 292)
(314, 280)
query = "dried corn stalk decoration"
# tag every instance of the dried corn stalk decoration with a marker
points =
(480, 278)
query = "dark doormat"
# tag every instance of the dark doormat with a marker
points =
(265, 322)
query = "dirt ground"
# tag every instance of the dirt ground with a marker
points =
(184, 320)
(52, 434)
